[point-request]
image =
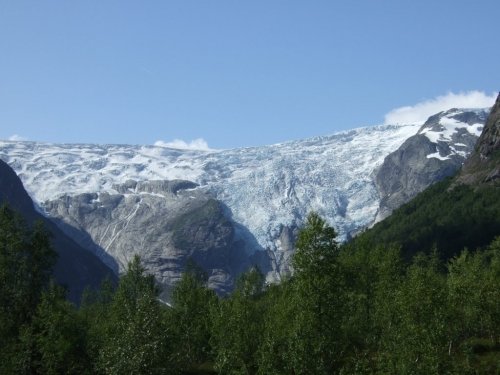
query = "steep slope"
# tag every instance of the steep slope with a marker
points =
(483, 167)
(165, 222)
(76, 268)
(437, 151)
(463, 211)
(442, 218)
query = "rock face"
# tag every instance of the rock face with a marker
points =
(76, 267)
(437, 151)
(13, 193)
(483, 166)
(165, 222)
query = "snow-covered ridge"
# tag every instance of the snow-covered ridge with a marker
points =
(451, 127)
(265, 188)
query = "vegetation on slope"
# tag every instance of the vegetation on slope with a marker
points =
(442, 218)
(356, 309)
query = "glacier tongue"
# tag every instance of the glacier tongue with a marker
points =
(266, 188)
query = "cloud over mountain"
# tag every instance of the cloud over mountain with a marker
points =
(16, 137)
(195, 144)
(419, 112)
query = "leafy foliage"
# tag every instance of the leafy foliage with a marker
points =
(54, 342)
(135, 342)
(442, 217)
(189, 318)
(26, 261)
(361, 308)
(417, 340)
(319, 298)
(237, 326)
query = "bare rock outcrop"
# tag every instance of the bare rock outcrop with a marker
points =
(165, 222)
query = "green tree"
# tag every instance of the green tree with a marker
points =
(95, 313)
(317, 339)
(237, 326)
(418, 340)
(474, 295)
(26, 261)
(54, 342)
(467, 292)
(189, 319)
(372, 274)
(275, 355)
(135, 341)
(493, 292)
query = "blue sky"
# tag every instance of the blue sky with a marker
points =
(236, 73)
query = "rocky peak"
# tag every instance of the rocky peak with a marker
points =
(437, 151)
(467, 116)
(454, 132)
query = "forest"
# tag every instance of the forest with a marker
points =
(371, 306)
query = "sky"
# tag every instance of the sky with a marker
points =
(226, 73)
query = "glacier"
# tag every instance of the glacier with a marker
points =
(266, 188)
(268, 191)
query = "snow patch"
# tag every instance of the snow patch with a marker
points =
(436, 155)
(450, 126)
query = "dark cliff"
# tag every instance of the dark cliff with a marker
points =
(483, 166)
(76, 268)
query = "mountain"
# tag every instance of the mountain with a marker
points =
(76, 268)
(462, 211)
(438, 150)
(260, 196)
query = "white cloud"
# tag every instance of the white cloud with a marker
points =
(195, 144)
(420, 112)
(16, 137)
